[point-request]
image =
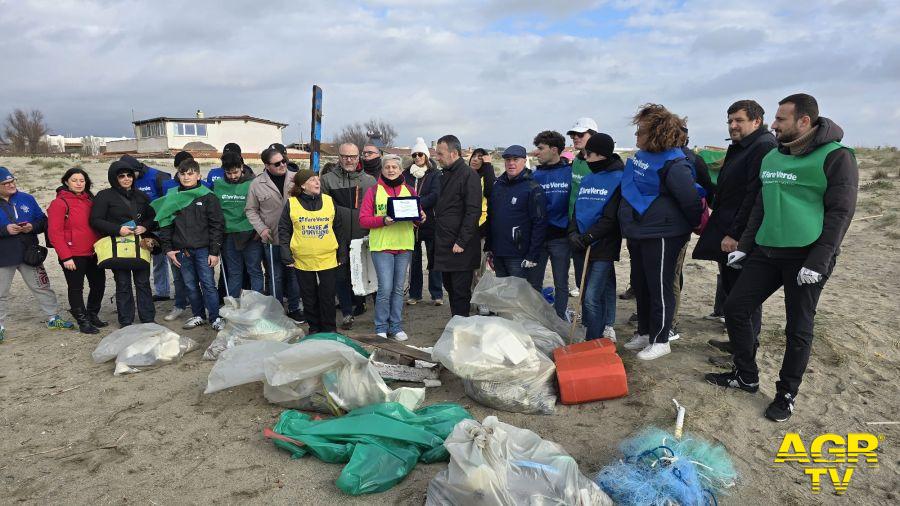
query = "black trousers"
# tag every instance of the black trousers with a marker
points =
(459, 290)
(653, 266)
(125, 300)
(85, 267)
(762, 276)
(317, 293)
(729, 278)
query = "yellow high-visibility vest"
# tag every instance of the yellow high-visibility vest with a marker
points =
(396, 236)
(313, 243)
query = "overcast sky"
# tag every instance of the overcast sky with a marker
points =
(493, 73)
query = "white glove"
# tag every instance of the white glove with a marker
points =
(528, 265)
(808, 277)
(735, 258)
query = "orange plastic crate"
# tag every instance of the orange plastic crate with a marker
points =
(602, 345)
(591, 376)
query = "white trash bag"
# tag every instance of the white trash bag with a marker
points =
(513, 298)
(545, 340)
(142, 345)
(523, 393)
(486, 348)
(363, 278)
(253, 317)
(242, 364)
(497, 464)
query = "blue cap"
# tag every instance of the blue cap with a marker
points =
(515, 151)
(6, 175)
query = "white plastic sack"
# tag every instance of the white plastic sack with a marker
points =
(513, 297)
(486, 348)
(242, 364)
(545, 340)
(497, 464)
(253, 317)
(142, 345)
(362, 270)
(522, 393)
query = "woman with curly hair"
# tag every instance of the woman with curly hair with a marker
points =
(660, 206)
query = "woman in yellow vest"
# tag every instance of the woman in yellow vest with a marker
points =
(391, 244)
(308, 235)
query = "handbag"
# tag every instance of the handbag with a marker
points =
(116, 252)
(34, 254)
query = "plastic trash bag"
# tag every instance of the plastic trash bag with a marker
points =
(513, 298)
(493, 463)
(241, 365)
(486, 348)
(142, 345)
(362, 271)
(253, 317)
(545, 340)
(380, 443)
(523, 393)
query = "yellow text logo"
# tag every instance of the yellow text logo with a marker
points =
(831, 457)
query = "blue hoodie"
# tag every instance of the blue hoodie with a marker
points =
(556, 180)
(19, 208)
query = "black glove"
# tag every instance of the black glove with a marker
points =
(576, 242)
(587, 240)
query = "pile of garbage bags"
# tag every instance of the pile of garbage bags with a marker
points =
(514, 298)
(326, 372)
(493, 463)
(498, 363)
(252, 317)
(142, 345)
(380, 443)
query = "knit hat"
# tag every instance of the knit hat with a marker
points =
(182, 156)
(600, 144)
(5, 175)
(421, 147)
(302, 176)
(231, 147)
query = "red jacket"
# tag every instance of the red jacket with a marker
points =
(72, 236)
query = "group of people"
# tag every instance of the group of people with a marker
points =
(776, 217)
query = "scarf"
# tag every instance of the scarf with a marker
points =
(174, 201)
(798, 146)
(393, 183)
(372, 166)
(418, 172)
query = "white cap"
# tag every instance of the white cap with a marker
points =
(583, 125)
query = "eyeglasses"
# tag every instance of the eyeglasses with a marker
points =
(418, 155)
(370, 153)
(279, 162)
(349, 157)
(124, 175)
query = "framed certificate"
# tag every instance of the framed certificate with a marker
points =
(403, 208)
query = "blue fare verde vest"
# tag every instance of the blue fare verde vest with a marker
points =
(593, 195)
(640, 179)
(147, 184)
(557, 184)
(215, 174)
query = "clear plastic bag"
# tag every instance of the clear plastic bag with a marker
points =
(253, 317)
(523, 393)
(493, 463)
(514, 298)
(545, 340)
(142, 345)
(242, 364)
(486, 348)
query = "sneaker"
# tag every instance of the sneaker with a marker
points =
(194, 322)
(483, 310)
(654, 351)
(731, 380)
(781, 408)
(360, 309)
(297, 316)
(438, 302)
(219, 324)
(627, 294)
(633, 318)
(412, 302)
(610, 333)
(382, 335)
(173, 314)
(56, 322)
(638, 342)
(574, 292)
(721, 345)
(347, 322)
(674, 335)
(160, 298)
(715, 317)
(722, 361)
(400, 336)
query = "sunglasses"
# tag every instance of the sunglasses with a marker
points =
(279, 162)
(124, 175)
(418, 155)
(578, 134)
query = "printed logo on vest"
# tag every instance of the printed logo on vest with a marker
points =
(592, 191)
(772, 176)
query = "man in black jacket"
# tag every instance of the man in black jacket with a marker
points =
(738, 186)
(457, 243)
(793, 237)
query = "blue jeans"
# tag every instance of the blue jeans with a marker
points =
(285, 280)
(559, 254)
(181, 300)
(237, 261)
(599, 309)
(435, 288)
(161, 275)
(512, 266)
(196, 271)
(391, 272)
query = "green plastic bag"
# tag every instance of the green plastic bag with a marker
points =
(380, 443)
(333, 336)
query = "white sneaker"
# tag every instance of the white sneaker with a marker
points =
(484, 310)
(638, 342)
(219, 324)
(400, 336)
(194, 322)
(173, 314)
(382, 335)
(653, 351)
(574, 292)
(610, 333)
(673, 336)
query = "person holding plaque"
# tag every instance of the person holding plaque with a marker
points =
(391, 211)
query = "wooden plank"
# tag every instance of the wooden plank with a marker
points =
(391, 346)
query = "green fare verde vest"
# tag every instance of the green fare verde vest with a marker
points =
(793, 188)
(233, 198)
(579, 170)
(396, 236)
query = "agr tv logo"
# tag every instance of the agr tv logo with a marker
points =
(830, 456)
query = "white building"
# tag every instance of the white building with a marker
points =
(165, 134)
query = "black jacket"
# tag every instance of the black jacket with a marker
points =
(675, 212)
(286, 229)
(605, 233)
(199, 225)
(517, 217)
(736, 192)
(842, 175)
(456, 216)
(428, 188)
(116, 206)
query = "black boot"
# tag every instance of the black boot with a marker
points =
(95, 320)
(84, 323)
